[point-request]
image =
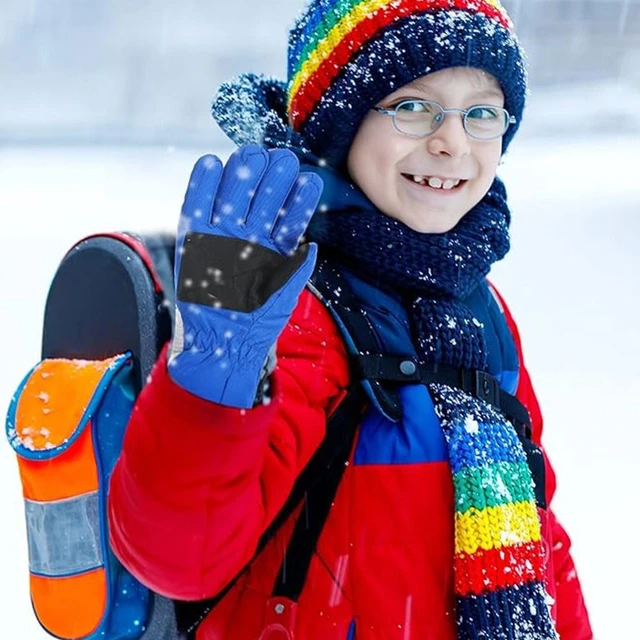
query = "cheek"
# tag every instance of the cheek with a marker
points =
(487, 159)
(370, 162)
(490, 159)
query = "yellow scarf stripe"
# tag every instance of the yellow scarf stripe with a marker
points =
(496, 527)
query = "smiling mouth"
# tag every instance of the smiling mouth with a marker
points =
(432, 182)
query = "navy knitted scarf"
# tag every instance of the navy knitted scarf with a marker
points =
(432, 273)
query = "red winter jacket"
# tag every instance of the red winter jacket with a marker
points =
(198, 483)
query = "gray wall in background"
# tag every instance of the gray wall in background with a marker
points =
(144, 71)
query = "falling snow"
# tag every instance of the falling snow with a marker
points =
(471, 425)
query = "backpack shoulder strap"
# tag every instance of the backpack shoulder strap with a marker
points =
(332, 288)
(381, 374)
(324, 475)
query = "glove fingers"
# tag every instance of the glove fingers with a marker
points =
(297, 211)
(275, 186)
(202, 188)
(240, 179)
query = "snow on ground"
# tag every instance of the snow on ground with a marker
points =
(572, 281)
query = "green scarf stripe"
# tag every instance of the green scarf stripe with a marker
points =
(493, 486)
(324, 28)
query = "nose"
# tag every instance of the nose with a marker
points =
(450, 138)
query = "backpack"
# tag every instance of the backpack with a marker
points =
(107, 316)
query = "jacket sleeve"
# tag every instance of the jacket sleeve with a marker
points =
(572, 618)
(198, 483)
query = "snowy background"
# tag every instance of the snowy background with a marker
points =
(104, 110)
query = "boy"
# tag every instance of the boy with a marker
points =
(398, 112)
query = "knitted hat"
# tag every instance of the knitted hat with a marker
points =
(347, 55)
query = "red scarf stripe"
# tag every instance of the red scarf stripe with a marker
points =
(313, 89)
(499, 568)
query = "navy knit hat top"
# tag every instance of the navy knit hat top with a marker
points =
(347, 55)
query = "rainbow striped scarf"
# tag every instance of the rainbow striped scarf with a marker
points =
(499, 559)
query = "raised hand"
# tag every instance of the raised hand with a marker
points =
(239, 269)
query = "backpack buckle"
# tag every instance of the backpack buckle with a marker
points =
(487, 388)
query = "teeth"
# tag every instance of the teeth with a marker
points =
(436, 183)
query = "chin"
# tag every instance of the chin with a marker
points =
(427, 224)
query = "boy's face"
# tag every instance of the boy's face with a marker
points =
(383, 162)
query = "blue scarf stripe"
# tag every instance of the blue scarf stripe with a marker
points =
(498, 442)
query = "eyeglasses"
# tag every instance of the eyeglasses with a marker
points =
(420, 118)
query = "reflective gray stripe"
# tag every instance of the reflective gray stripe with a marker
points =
(64, 536)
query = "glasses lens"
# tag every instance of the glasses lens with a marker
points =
(486, 122)
(417, 117)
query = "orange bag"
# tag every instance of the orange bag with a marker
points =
(66, 423)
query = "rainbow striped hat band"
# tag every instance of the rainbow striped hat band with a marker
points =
(347, 55)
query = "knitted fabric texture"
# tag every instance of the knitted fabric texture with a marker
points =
(347, 55)
(433, 273)
(499, 560)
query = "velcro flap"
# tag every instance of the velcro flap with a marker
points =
(55, 402)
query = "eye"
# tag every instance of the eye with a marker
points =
(411, 106)
(483, 113)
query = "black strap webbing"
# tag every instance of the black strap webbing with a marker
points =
(318, 499)
(484, 386)
(323, 470)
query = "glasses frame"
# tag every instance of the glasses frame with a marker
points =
(508, 121)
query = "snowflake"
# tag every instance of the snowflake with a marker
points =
(243, 173)
(209, 162)
(471, 425)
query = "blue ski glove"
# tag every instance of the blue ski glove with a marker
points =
(239, 269)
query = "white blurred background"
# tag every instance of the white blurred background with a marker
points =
(104, 107)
